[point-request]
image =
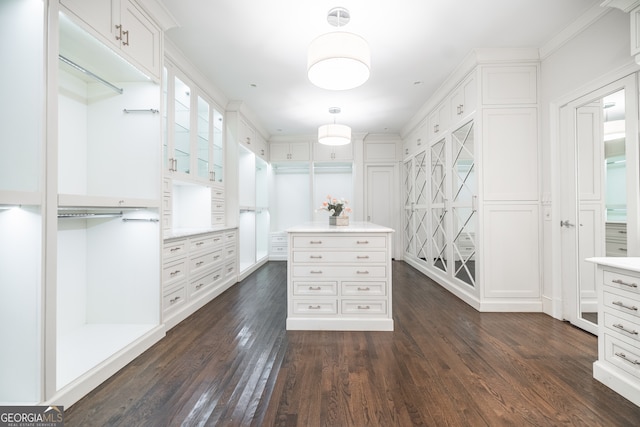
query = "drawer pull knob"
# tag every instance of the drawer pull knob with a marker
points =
(173, 273)
(174, 249)
(174, 300)
(314, 307)
(363, 257)
(199, 285)
(623, 356)
(628, 307)
(230, 269)
(216, 256)
(362, 242)
(622, 328)
(362, 272)
(199, 243)
(623, 283)
(316, 272)
(199, 263)
(364, 307)
(217, 239)
(315, 256)
(216, 277)
(315, 242)
(317, 288)
(364, 289)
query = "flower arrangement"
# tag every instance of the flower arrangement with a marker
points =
(335, 207)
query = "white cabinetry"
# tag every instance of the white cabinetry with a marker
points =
(195, 270)
(471, 198)
(289, 151)
(123, 26)
(107, 235)
(22, 133)
(330, 153)
(339, 278)
(618, 364)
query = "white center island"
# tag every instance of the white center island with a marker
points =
(339, 277)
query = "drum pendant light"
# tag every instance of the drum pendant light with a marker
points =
(338, 60)
(334, 134)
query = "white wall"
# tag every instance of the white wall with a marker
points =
(596, 51)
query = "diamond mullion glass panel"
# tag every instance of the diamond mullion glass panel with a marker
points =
(408, 231)
(421, 179)
(421, 233)
(439, 238)
(463, 209)
(438, 172)
(408, 183)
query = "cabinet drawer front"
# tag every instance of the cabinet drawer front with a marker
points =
(174, 249)
(230, 269)
(364, 306)
(364, 288)
(315, 307)
(174, 271)
(350, 271)
(217, 193)
(279, 249)
(217, 206)
(174, 299)
(205, 260)
(315, 288)
(622, 304)
(616, 248)
(340, 257)
(622, 281)
(207, 281)
(201, 243)
(230, 237)
(217, 219)
(229, 252)
(347, 242)
(625, 327)
(279, 238)
(624, 356)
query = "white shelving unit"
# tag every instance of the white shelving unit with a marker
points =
(108, 232)
(21, 194)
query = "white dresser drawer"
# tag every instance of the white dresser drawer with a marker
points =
(174, 249)
(279, 239)
(173, 272)
(309, 307)
(625, 327)
(347, 271)
(174, 298)
(230, 269)
(229, 252)
(623, 355)
(279, 249)
(340, 242)
(201, 243)
(622, 281)
(205, 261)
(622, 303)
(315, 288)
(205, 282)
(339, 257)
(230, 237)
(364, 306)
(364, 288)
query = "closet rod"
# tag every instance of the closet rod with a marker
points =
(148, 110)
(90, 74)
(141, 219)
(83, 215)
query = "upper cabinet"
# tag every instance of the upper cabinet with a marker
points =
(125, 27)
(290, 151)
(251, 139)
(329, 153)
(193, 131)
(463, 99)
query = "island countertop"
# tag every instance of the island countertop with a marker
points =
(353, 227)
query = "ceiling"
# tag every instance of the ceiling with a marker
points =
(256, 51)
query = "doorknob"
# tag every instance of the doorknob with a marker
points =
(566, 223)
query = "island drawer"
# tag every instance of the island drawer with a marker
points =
(328, 306)
(621, 303)
(364, 288)
(315, 288)
(339, 257)
(340, 242)
(622, 281)
(364, 306)
(350, 271)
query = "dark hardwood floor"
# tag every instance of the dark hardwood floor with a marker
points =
(233, 363)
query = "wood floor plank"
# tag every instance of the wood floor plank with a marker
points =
(233, 364)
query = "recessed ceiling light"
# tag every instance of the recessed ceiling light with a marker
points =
(253, 85)
(417, 82)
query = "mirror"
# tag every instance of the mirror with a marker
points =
(438, 209)
(601, 191)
